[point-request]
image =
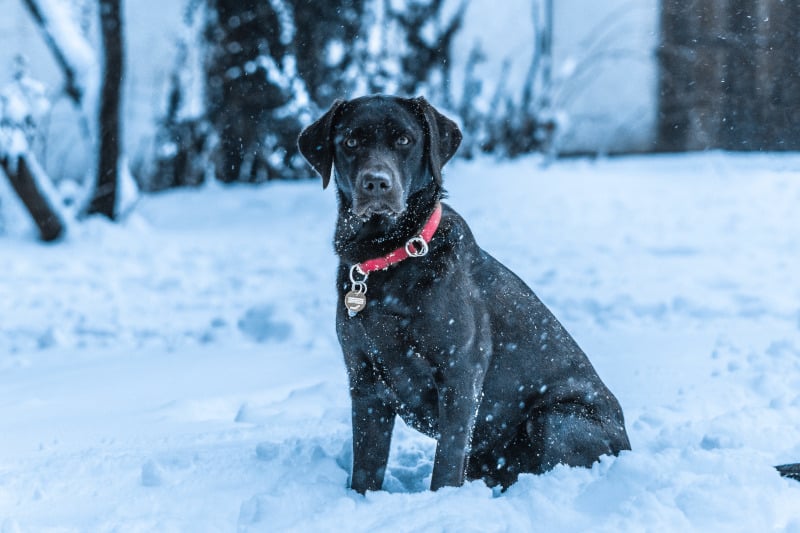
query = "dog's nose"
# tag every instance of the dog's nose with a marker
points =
(376, 181)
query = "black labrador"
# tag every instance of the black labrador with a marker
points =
(432, 327)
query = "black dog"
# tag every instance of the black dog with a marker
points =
(446, 337)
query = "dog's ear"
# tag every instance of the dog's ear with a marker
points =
(442, 136)
(316, 143)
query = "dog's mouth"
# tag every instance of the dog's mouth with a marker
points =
(389, 204)
(378, 191)
(367, 208)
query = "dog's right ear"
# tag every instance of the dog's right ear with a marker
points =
(442, 136)
(316, 143)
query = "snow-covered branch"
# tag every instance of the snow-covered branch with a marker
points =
(71, 49)
(22, 104)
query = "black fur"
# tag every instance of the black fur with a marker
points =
(452, 342)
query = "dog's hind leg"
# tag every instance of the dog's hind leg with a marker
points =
(503, 466)
(571, 434)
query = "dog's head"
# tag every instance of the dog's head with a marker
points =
(381, 150)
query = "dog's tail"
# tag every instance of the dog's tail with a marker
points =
(790, 471)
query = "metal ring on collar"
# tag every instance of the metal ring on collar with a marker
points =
(355, 269)
(416, 247)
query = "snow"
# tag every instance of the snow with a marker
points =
(180, 371)
(64, 26)
(127, 193)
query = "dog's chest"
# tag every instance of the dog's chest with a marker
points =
(391, 336)
(396, 342)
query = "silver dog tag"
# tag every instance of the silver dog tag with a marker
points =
(355, 301)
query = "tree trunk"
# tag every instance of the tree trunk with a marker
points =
(105, 193)
(47, 220)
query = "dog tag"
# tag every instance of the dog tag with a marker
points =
(355, 301)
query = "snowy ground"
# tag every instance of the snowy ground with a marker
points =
(181, 372)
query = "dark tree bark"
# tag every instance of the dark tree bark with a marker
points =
(105, 193)
(47, 220)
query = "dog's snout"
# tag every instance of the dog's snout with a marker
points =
(377, 190)
(378, 187)
(376, 181)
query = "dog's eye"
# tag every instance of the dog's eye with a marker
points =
(350, 142)
(403, 140)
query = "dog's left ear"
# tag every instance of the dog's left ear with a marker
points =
(316, 143)
(442, 136)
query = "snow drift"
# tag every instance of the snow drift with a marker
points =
(181, 372)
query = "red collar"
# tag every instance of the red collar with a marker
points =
(416, 246)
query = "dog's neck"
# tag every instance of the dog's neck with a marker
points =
(358, 239)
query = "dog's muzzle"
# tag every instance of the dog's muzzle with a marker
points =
(378, 191)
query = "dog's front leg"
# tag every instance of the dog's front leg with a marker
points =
(458, 406)
(373, 421)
